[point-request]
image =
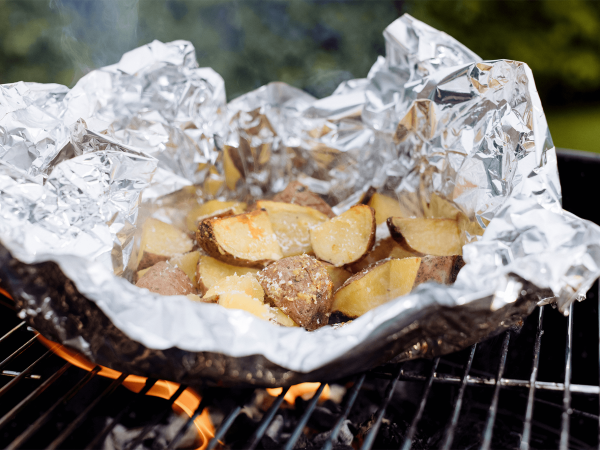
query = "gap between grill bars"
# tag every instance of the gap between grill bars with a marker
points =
(429, 377)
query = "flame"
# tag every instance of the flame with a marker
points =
(304, 390)
(188, 401)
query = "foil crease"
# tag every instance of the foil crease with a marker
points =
(447, 134)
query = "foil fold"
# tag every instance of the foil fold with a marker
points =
(447, 134)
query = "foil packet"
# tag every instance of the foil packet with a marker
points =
(81, 169)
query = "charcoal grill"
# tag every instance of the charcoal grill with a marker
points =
(535, 387)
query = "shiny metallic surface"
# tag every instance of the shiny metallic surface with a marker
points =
(446, 134)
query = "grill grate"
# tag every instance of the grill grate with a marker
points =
(544, 400)
(429, 376)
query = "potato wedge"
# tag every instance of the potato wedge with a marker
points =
(187, 263)
(338, 275)
(439, 237)
(246, 303)
(160, 242)
(210, 271)
(298, 194)
(164, 279)
(242, 240)
(291, 224)
(301, 287)
(384, 207)
(380, 283)
(345, 239)
(210, 209)
(197, 298)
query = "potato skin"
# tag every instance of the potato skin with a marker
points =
(298, 194)
(301, 287)
(441, 269)
(164, 279)
(205, 236)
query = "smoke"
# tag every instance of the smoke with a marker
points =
(96, 33)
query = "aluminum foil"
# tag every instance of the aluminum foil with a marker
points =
(433, 125)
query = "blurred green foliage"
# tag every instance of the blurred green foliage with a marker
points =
(311, 44)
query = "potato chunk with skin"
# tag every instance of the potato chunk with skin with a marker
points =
(160, 242)
(281, 318)
(298, 194)
(164, 279)
(347, 238)
(242, 240)
(384, 207)
(439, 237)
(212, 208)
(210, 271)
(291, 224)
(376, 285)
(301, 287)
(440, 269)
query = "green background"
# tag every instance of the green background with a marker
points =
(313, 45)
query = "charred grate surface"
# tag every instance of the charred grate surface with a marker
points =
(536, 387)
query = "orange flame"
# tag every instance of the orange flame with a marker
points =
(188, 401)
(304, 390)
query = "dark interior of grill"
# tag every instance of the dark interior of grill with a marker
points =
(548, 396)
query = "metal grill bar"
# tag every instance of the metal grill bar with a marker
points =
(566, 415)
(224, 427)
(532, 381)
(150, 382)
(44, 417)
(449, 435)
(35, 394)
(389, 392)
(266, 420)
(302, 422)
(138, 440)
(489, 426)
(17, 352)
(3, 338)
(73, 425)
(13, 374)
(338, 425)
(8, 386)
(504, 382)
(413, 426)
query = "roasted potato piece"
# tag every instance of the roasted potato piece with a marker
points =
(338, 275)
(440, 208)
(291, 224)
(298, 194)
(242, 240)
(210, 271)
(380, 283)
(345, 239)
(383, 249)
(197, 298)
(384, 207)
(164, 279)
(441, 269)
(439, 237)
(160, 242)
(240, 292)
(301, 287)
(210, 209)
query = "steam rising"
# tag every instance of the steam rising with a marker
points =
(96, 33)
